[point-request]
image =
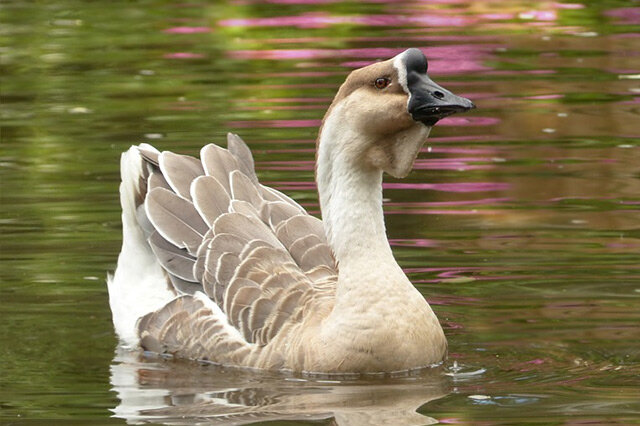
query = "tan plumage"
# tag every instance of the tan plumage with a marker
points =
(247, 277)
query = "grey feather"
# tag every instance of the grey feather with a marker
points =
(218, 162)
(226, 267)
(300, 246)
(280, 211)
(250, 246)
(180, 171)
(260, 310)
(175, 260)
(271, 194)
(282, 312)
(242, 188)
(244, 325)
(209, 284)
(320, 254)
(210, 198)
(156, 180)
(245, 227)
(281, 280)
(234, 286)
(242, 153)
(199, 266)
(176, 219)
(219, 245)
(143, 221)
(322, 273)
(244, 208)
(299, 226)
(242, 298)
(149, 153)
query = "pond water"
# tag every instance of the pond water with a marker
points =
(520, 224)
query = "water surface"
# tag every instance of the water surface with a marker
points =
(520, 224)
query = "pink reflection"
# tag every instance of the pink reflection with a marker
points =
(291, 151)
(461, 58)
(451, 187)
(468, 121)
(436, 66)
(288, 165)
(442, 212)
(498, 16)
(569, 5)
(540, 15)
(451, 52)
(452, 164)
(183, 55)
(521, 72)
(625, 15)
(187, 30)
(289, 100)
(419, 242)
(484, 201)
(283, 107)
(301, 1)
(274, 123)
(449, 121)
(474, 138)
(459, 150)
(626, 35)
(321, 20)
(452, 420)
(543, 97)
(299, 74)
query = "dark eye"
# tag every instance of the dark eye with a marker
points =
(381, 82)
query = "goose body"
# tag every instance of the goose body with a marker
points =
(216, 266)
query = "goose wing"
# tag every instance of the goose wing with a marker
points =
(255, 253)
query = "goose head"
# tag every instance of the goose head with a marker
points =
(383, 113)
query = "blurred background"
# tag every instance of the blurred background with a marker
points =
(520, 224)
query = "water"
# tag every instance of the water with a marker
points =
(521, 223)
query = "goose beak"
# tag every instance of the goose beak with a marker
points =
(430, 102)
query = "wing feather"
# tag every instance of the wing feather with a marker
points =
(318, 255)
(219, 163)
(179, 171)
(174, 260)
(244, 208)
(176, 219)
(242, 188)
(245, 227)
(245, 259)
(210, 198)
(239, 149)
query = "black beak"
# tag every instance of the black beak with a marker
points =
(430, 102)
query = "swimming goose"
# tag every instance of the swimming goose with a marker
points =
(216, 266)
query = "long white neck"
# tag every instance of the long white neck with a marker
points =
(351, 202)
(377, 313)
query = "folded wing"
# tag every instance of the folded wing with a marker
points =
(253, 251)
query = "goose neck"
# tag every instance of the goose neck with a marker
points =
(351, 200)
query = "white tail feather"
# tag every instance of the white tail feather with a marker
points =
(139, 285)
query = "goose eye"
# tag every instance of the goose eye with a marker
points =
(381, 82)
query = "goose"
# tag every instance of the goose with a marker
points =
(217, 267)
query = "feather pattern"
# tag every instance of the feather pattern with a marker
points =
(176, 219)
(179, 171)
(222, 236)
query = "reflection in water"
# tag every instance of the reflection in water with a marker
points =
(520, 223)
(188, 393)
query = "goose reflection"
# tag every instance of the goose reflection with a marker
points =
(185, 393)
